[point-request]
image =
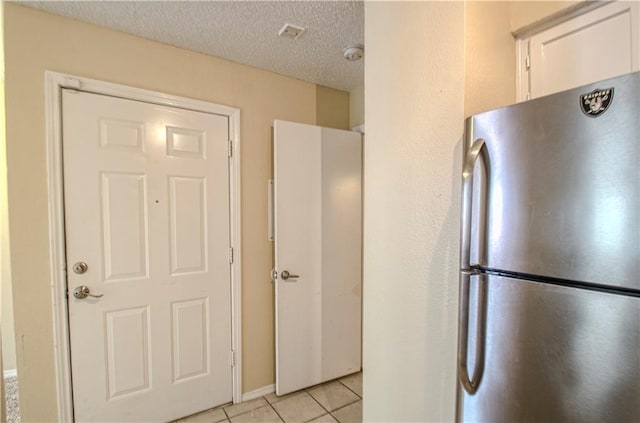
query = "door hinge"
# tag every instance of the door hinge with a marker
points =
(527, 62)
(230, 255)
(233, 358)
(230, 148)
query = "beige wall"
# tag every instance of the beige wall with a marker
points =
(523, 13)
(414, 73)
(6, 316)
(490, 57)
(490, 51)
(37, 41)
(8, 335)
(356, 106)
(332, 108)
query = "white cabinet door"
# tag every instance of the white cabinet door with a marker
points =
(147, 209)
(600, 44)
(318, 240)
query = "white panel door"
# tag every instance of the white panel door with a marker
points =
(146, 191)
(318, 241)
(600, 44)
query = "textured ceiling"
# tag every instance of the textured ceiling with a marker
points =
(242, 31)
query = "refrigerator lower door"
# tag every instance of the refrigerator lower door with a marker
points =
(554, 354)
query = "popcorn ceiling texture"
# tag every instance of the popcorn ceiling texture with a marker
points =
(11, 398)
(242, 31)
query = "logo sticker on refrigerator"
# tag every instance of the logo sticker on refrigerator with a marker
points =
(596, 102)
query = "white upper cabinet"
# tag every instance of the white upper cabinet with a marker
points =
(599, 44)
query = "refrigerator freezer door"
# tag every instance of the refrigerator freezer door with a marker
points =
(564, 187)
(555, 354)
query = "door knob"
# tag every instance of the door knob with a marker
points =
(83, 291)
(286, 275)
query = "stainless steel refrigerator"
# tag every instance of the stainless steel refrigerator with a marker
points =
(549, 319)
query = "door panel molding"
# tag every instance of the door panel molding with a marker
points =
(54, 83)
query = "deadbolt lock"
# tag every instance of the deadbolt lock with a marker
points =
(80, 267)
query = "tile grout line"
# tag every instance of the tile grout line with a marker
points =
(226, 414)
(355, 393)
(306, 391)
(318, 402)
(344, 406)
(274, 409)
(327, 412)
(347, 405)
(245, 412)
(339, 408)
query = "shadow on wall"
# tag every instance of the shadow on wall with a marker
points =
(446, 251)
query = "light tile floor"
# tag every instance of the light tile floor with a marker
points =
(338, 401)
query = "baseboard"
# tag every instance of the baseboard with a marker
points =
(10, 373)
(257, 393)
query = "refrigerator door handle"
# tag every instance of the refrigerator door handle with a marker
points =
(467, 200)
(471, 382)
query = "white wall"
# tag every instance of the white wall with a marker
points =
(414, 80)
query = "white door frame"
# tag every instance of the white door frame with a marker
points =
(54, 82)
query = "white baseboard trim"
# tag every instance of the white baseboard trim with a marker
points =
(257, 393)
(10, 373)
